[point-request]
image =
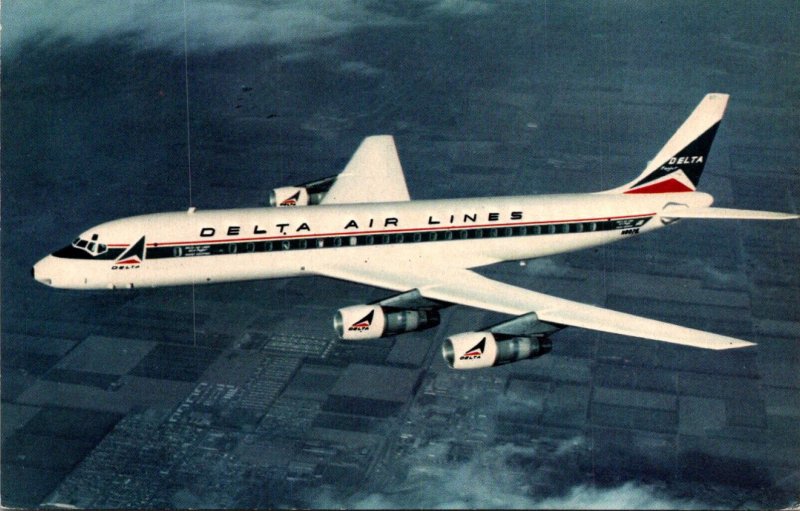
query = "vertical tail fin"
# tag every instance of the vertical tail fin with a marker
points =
(678, 165)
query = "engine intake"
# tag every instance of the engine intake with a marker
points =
(364, 322)
(476, 350)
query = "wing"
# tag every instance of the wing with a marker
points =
(373, 174)
(466, 287)
(727, 214)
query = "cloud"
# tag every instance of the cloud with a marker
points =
(461, 7)
(212, 24)
(500, 475)
(627, 496)
(491, 479)
(360, 68)
(470, 467)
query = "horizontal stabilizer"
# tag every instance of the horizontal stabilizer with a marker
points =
(728, 214)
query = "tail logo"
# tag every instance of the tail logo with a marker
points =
(686, 160)
(131, 258)
(363, 324)
(475, 352)
(677, 167)
(291, 201)
(682, 171)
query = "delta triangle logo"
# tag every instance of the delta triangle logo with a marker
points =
(363, 323)
(475, 352)
(132, 257)
(291, 201)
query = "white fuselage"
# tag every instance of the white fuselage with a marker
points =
(198, 247)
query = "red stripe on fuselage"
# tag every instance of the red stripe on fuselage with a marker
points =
(393, 231)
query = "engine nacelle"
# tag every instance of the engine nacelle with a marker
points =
(288, 196)
(476, 350)
(364, 322)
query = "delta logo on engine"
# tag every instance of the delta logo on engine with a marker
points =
(363, 324)
(291, 201)
(475, 352)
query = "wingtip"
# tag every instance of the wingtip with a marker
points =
(719, 96)
(733, 344)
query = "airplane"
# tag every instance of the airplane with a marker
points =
(362, 226)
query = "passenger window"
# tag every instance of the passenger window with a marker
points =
(523, 231)
(268, 246)
(386, 239)
(370, 240)
(177, 251)
(417, 237)
(433, 236)
(301, 244)
(320, 243)
(593, 226)
(565, 228)
(448, 235)
(551, 229)
(399, 238)
(251, 247)
(492, 233)
(478, 233)
(507, 231)
(337, 242)
(462, 234)
(232, 248)
(537, 229)
(578, 227)
(353, 241)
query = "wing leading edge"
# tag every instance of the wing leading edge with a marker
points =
(466, 287)
(728, 214)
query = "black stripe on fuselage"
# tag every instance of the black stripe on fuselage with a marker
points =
(71, 252)
(424, 236)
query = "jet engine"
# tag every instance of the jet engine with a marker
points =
(476, 350)
(364, 322)
(288, 196)
(306, 194)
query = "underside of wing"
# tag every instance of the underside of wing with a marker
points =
(466, 287)
(373, 174)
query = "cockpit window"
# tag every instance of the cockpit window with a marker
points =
(91, 247)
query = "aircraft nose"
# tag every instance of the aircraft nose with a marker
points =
(39, 273)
